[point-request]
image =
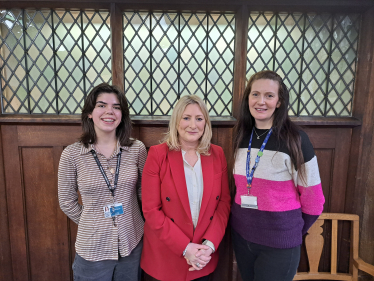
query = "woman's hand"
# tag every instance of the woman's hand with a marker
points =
(198, 256)
(197, 262)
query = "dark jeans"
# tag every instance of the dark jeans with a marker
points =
(261, 263)
(123, 269)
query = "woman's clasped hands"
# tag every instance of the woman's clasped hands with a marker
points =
(197, 255)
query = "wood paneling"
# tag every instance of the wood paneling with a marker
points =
(240, 63)
(5, 254)
(15, 208)
(203, 5)
(46, 234)
(42, 238)
(116, 29)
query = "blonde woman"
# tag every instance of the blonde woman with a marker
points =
(186, 201)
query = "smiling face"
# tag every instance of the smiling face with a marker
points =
(191, 126)
(263, 100)
(107, 114)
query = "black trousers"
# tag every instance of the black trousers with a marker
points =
(261, 263)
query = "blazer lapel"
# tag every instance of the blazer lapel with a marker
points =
(177, 170)
(208, 174)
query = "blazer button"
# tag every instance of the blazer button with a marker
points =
(167, 199)
(172, 220)
(217, 197)
(211, 217)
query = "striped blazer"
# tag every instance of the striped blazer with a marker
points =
(100, 238)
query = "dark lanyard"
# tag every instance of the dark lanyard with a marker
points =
(259, 154)
(103, 173)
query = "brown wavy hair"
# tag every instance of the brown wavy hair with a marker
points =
(283, 128)
(124, 129)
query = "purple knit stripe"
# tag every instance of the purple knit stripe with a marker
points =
(273, 229)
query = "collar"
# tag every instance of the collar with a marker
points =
(184, 159)
(91, 146)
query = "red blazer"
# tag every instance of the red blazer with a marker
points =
(168, 224)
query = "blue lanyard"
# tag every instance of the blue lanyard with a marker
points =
(111, 189)
(259, 154)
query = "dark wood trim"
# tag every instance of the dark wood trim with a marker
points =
(15, 196)
(334, 6)
(343, 122)
(116, 27)
(6, 272)
(37, 4)
(363, 109)
(360, 165)
(240, 61)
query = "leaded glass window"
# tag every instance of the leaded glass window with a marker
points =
(315, 53)
(50, 59)
(168, 55)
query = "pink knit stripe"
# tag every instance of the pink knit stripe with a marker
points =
(272, 196)
(311, 199)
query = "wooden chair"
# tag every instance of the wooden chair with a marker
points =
(314, 245)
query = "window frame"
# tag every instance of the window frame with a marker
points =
(241, 10)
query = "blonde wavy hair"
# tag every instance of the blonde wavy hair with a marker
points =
(171, 137)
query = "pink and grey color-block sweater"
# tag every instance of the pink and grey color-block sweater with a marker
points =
(287, 206)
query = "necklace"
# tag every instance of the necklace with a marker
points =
(258, 136)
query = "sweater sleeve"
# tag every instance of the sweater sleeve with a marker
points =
(309, 186)
(142, 157)
(67, 187)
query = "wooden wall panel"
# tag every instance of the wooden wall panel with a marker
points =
(42, 238)
(5, 253)
(46, 227)
(16, 211)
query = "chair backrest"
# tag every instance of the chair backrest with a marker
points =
(314, 243)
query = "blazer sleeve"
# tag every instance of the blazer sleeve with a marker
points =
(142, 156)
(166, 230)
(67, 187)
(217, 227)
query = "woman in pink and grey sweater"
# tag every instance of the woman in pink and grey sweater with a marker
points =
(278, 193)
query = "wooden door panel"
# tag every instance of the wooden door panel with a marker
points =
(48, 135)
(46, 227)
(14, 194)
(325, 158)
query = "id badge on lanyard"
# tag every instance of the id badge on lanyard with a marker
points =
(250, 201)
(114, 209)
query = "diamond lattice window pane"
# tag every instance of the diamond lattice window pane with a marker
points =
(316, 52)
(288, 53)
(173, 55)
(52, 58)
(13, 66)
(164, 48)
(261, 36)
(97, 48)
(69, 61)
(193, 54)
(137, 62)
(342, 65)
(220, 64)
(40, 61)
